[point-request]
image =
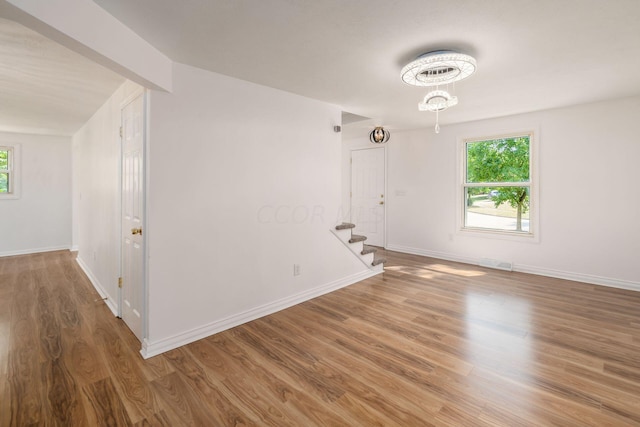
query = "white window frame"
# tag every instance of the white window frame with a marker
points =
(13, 171)
(533, 235)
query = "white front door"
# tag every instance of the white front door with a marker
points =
(367, 194)
(132, 307)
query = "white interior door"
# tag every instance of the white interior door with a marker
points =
(367, 194)
(132, 307)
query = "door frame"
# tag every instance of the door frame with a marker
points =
(145, 202)
(386, 194)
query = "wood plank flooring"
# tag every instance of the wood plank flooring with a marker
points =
(427, 343)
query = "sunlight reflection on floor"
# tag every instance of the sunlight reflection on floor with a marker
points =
(427, 270)
(498, 334)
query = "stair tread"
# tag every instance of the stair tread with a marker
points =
(368, 250)
(356, 238)
(377, 261)
(345, 226)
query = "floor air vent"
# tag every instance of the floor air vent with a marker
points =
(494, 263)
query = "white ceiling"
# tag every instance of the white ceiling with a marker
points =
(46, 88)
(531, 55)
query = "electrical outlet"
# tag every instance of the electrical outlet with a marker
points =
(296, 269)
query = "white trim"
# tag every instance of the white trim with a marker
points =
(150, 349)
(35, 251)
(98, 286)
(145, 186)
(136, 93)
(540, 271)
(386, 195)
(533, 236)
(433, 254)
(74, 248)
(579, 277)
(15, 166)
(488, 233)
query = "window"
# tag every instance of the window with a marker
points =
(6, 166)
(497, 184)
(8, 162)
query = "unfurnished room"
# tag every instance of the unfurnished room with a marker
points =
(319, 213)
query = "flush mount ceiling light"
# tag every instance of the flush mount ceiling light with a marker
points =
(379, 135)
(440, 67)
(437, 100)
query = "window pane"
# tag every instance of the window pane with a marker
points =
(498, 160)
(497, 208)
(4, 182)
(4, 159)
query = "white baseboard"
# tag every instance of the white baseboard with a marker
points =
(150, 349)
(540, 271)
(433, 254)
(579, 277)
(96, 284)
(34, 251)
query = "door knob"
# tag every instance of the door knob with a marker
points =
(382, 203)
(136, 231)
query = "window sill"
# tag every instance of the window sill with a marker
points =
(525, 237)
(11, 196)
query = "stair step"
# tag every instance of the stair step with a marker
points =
(356, 238)
(377, 261)
(367, 250)
(345, 226)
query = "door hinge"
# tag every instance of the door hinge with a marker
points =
(119, 282)
(120, 131)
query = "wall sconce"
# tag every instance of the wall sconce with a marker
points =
(379, 136)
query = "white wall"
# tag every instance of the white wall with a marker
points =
(244, 183)
(589, 204)
(96, 194)
(40, 219)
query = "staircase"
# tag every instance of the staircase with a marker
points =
(355, 243)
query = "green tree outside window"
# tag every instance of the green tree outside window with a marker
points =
(4, 171)
(503, 162)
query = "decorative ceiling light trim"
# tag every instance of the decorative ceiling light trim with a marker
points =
(440, 67)
(437, 100)
(379, 135)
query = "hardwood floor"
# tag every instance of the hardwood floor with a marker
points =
(429, 342)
